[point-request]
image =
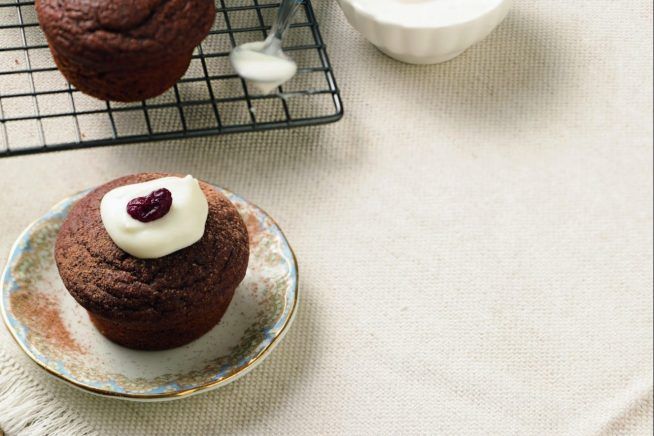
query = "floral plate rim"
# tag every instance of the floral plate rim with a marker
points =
(164, 396)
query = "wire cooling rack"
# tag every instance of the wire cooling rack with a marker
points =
(40, 111)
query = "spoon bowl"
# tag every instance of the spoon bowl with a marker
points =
(264, 63)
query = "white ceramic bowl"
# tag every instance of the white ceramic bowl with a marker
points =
(422, 44)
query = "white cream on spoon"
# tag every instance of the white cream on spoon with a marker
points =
(264, 63)
(263, 70)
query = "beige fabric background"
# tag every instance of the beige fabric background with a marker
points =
(474, 239)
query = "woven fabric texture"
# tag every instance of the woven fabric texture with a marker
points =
(474, 240)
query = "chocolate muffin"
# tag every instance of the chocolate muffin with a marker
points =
(152, 304)
(124, 50)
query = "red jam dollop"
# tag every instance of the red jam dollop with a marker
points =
(151, 207)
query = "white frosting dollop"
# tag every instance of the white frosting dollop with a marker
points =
(182, 226)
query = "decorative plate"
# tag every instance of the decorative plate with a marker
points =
(56, 333)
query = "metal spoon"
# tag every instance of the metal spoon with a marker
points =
(264, 63)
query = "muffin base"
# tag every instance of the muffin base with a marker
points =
(126, 84)
(163, 335)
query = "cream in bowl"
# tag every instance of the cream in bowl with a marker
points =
(424, 31)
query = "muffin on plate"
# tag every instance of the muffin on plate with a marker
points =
(154, 258)
(124, 50)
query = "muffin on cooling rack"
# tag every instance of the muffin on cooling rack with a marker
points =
(124, 50)
(154, 259)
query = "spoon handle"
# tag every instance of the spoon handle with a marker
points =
(284, 16)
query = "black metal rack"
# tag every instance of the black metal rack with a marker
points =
(40, 111)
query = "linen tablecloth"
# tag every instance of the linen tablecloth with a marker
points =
(474, 241)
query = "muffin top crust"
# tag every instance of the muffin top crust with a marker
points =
(125, 32)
